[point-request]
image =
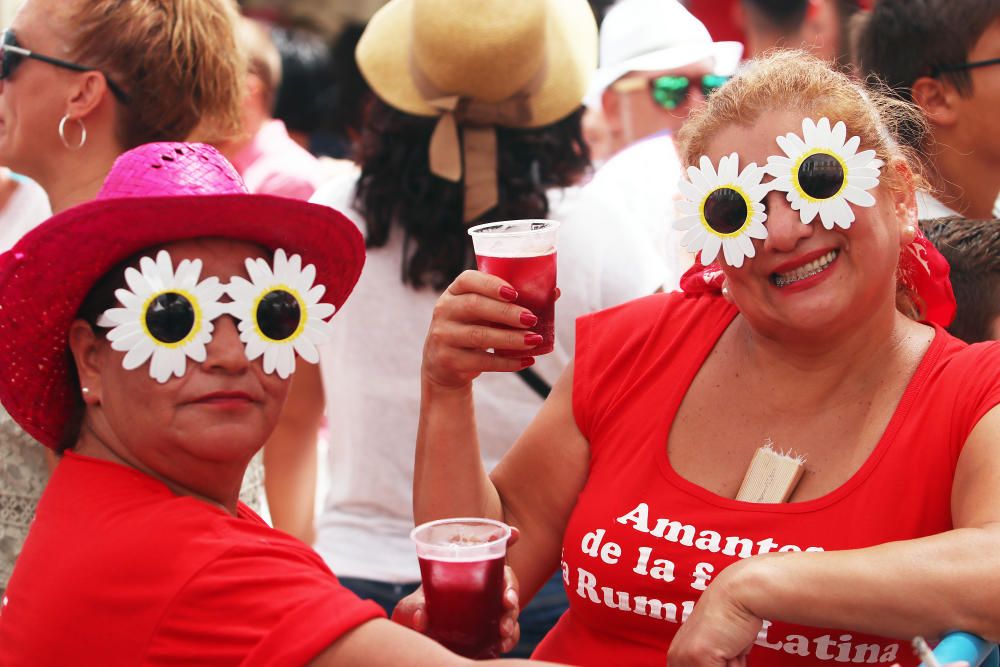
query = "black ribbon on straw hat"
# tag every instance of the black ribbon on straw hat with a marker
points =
(473, 160)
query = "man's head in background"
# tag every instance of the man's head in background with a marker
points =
(972, 248)
(263, 73)
(657, 63)
(945, 57)
(819, 26)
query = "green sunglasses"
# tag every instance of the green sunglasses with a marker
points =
(670, 90)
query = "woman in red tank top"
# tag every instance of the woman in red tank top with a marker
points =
(826, 340)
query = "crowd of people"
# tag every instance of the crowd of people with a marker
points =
(244, 347)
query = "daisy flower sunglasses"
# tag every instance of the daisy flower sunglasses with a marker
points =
(12, 55)
(165, 314)
(670, 91)
(821, 172)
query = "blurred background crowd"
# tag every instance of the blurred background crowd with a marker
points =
(312, 128)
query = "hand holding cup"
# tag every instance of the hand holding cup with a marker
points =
(475, 314)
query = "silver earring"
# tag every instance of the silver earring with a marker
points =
(62, 133)
(85, 390)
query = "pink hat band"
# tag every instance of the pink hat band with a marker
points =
(169, 169)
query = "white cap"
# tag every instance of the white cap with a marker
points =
(653, 35)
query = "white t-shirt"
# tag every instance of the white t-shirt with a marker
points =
(640, 184)
(25, 210)
(371, 378)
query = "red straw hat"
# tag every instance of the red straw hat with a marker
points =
(154, 194)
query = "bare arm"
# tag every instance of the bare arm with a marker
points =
(535, 486)
(290, 455)
(381, 643)
(925, 586)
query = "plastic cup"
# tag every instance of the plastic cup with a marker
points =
(461, 568)
(523, 252)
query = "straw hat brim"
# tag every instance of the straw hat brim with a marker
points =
(46, 276)
(383, 56)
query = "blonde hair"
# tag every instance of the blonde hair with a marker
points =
(176, 59)
(796, 80)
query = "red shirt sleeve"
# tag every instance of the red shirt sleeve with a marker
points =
(258, 605)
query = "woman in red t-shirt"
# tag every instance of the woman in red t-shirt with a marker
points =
(149, 337)
(627, 478)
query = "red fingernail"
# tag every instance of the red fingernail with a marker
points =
(528, 320)
(533, 339)
(508, 293)
(527, 361)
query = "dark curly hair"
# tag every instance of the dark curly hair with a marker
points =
(397, 188)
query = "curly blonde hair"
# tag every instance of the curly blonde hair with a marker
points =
(178, 61)
(796, 80)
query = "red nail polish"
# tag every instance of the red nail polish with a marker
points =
(528, 320)
(533, 339)
(508, 293)
(527, 361)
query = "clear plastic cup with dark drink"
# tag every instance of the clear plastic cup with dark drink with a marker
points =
(461, 568)
(523, 252)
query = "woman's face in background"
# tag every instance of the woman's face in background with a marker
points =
(220, 411)
(34, 98)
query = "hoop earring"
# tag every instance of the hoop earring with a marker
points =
(62, 133)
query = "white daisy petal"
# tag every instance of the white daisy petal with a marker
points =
(732, 253)
(757, 230)
(728, 168)
(828, 214)
(196, 351)
(711, 247)
(844, 216)
(286, 362)
(271, 359)
(862, 182)
(693, 238)
(129, 300)
(851, 147)
(699, 180)
(688, 190)
(686, 208)
(305, 349)
(838, 135)
(808, 212)
(159, 367)
(255, 347)
(137, 284)
(746, 245)
(318, 332)
(858, 197)
(315, 294)
(321, 311)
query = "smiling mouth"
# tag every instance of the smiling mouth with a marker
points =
(805, 271)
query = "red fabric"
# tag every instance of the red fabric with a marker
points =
(719, 17)
(634, 364)
(922, 268)
(117, 570)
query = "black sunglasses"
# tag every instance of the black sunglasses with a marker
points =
(670, 91)
(939, 69)
(12, 55)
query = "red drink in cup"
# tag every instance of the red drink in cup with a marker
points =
(523, 252)
(461, 568)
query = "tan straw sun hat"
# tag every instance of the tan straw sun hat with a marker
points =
(478, 64)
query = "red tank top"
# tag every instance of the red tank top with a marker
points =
(642, 542)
